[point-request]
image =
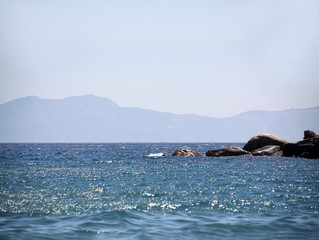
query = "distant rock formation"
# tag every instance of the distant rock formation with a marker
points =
(269, 150)
(186, 153)
(308, 148)
(271, 145)
(230, 151)
(310, 134)
(262, 140)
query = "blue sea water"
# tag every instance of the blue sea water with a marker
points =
(129, 191)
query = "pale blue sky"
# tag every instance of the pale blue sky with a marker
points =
(213, 58)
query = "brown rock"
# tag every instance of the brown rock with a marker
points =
(308, 148)
(262, 140)
(186, 153)
(269, 150)
(230, 151)
(310, 134)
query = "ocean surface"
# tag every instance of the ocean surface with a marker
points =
(130, 191)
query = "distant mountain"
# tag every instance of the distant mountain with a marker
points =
(96, 119)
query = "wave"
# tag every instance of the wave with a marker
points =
(140, 225)
(157, 155)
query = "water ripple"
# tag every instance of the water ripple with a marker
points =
(95, 191)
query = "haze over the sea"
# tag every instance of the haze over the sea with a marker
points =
(211, 58)
(95, 119)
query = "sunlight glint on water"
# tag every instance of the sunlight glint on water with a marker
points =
(77, 191)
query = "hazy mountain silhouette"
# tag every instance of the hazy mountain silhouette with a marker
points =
(96, 119)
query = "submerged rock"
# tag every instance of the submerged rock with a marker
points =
(230, 151)
(269, 150)
(186, 153)
(262, 140)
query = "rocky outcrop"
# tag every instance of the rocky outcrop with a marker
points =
(262, 140)
(186, 153)
(310, 134)
(269, 150)
(308, 148)
(230, 151)
(271, 145)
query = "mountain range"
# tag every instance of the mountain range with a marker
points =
(95, 119)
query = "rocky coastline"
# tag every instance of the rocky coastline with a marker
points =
(266, 145)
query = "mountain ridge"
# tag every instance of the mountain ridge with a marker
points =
(90, 118)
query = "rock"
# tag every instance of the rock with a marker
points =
(186, 153)
(308, 148)
(269, 150)
(310, 134)
(230, 151)
(263, 140)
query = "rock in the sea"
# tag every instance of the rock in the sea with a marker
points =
(308, 148)
(186, 153)
(230, 151)
(310, 134)
(269, 150)
(262, 140)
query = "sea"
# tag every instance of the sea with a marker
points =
(140, 191)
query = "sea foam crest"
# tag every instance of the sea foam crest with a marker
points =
(156, 155)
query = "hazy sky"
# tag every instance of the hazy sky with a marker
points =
(213, 58)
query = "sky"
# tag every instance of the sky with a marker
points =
(205, 57)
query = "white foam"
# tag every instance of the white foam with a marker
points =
(156, 155)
